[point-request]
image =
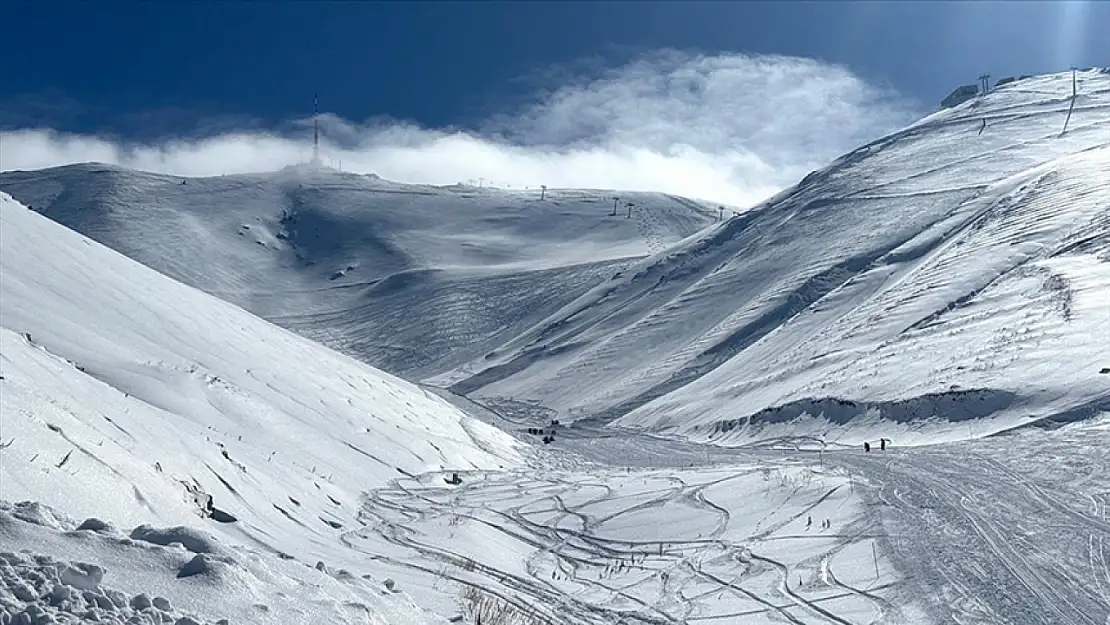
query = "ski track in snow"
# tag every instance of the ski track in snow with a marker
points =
(994, 544)
(577, 574)
(578, 538)
(1000, 531)
(1008, 530)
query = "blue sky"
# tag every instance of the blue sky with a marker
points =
(398, 72)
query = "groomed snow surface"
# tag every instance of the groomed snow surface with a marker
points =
(168, 457)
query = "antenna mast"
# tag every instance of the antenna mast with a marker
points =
(315, 130)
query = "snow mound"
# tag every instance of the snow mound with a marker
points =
(844, 421)
(93, 524)
(191, 539)
(34, 512)
(42, 590)
(56, 575)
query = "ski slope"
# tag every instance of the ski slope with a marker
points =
(933, 285)
(624, 528)
(58, 569)
(410, 278)
(1008, 530)
(138, 400)
(654, 546)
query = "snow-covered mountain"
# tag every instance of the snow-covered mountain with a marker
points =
(954, 269)
(130, 396)
(413, 279)
(939, 271)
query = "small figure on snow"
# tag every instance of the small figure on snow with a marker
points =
(866, 446)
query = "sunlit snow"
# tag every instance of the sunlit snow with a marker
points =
(941, 294)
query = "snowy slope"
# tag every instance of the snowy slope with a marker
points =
(937, 272)
(411, 278)
(127, 397)
(57, 569)
(131, 397)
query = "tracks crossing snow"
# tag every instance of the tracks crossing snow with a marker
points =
(612, 545)
(988, 544)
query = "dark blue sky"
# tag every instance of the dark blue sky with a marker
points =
(150, 68)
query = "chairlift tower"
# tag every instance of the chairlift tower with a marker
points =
(984, 84)
(1074, 97)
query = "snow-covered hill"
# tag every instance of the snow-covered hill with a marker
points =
(414, 279)
(949, 278)
(129, 396)
(937, 272)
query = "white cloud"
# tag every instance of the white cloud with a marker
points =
(730, 128)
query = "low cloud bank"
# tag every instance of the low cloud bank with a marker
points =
(728, 128)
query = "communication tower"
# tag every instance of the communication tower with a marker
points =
(315, 130)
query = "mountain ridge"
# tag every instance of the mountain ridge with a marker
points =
(625, 320)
